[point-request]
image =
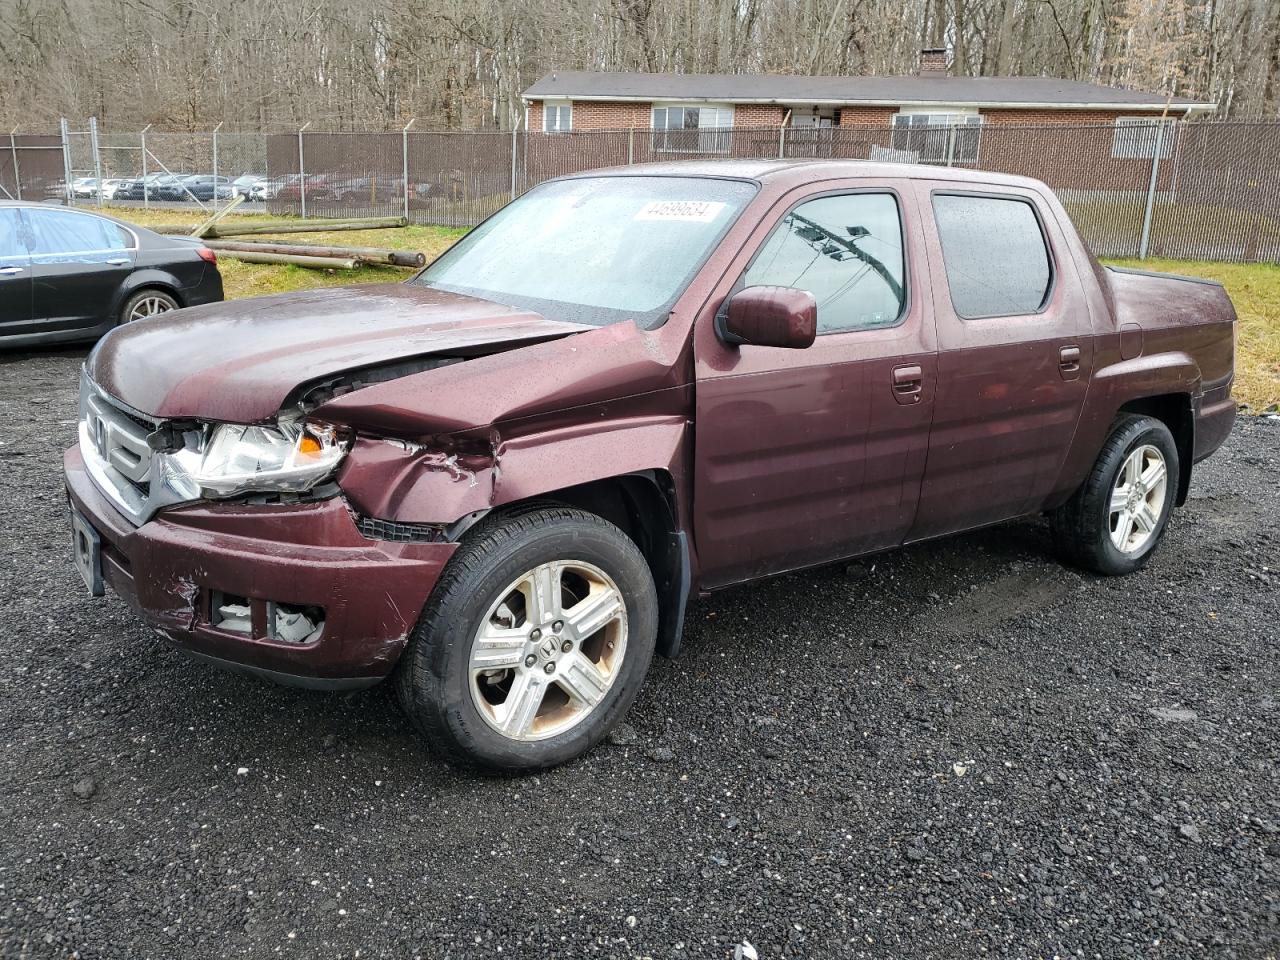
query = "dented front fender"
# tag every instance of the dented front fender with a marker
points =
(442, 482)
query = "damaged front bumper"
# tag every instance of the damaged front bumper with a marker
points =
(229, 582)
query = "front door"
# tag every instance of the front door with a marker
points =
(78, 263)
(15, 274)
(805, 456)
(1015, 350)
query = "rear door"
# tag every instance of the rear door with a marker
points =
(78, 263)
(804, 456)
(15, 274)
(1015, 354)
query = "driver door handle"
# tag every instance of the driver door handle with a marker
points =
(10, 271)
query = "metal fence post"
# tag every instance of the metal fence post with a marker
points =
(146, 184)
(13, 147)
(66, 158)
(515, 128)
(215, 164)
(97, 155)
(1145, 244)
(404, 159)
(302, 170)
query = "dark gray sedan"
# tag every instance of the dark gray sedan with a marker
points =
(68, 275)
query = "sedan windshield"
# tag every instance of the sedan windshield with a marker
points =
(594, 250)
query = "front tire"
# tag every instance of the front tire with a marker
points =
(1114, 522)
(534, 642)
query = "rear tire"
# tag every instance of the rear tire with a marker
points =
(146, 303)
(534, 643)
(1114, 522)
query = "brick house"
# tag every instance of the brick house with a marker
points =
(929, 117)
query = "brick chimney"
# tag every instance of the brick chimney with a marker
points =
(933, 62)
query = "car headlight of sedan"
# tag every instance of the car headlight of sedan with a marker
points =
(291, 456)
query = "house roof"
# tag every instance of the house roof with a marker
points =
(1026, 92)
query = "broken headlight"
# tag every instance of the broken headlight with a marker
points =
(291, 456)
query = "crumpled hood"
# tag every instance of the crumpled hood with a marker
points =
(239, 360)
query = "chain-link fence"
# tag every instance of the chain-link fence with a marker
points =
(1205, 190)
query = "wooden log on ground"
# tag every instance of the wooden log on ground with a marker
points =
(206, 228)
(316, 263)
(374, 255)
(306, 226)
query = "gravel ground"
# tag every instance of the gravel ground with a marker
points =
(959, 749)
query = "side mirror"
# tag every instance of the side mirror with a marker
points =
(769, 317)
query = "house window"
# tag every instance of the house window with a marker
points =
(692, 129)
(1135, 138)
(557, 117)
(941, 137)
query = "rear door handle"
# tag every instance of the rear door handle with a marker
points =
(1069, 362)
(908, 381)
(118, 261)
(10, 271)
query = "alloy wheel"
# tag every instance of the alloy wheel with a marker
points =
(149, 307)
(548, 651)
(1137, 499)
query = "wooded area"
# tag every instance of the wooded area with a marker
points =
(344, 64)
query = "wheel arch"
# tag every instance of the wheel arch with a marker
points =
(643, 506)
(148, 279)
(1175, 411)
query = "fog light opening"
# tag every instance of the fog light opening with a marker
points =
(295, 624)
(232, 613)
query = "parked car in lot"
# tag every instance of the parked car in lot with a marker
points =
(195, 186)
(145, 188)
(246, 184)
(500, 482)
(290, 187)
(70, 275)
(84, 187)
(111, 187)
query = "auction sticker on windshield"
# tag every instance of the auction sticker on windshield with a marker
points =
(691, 211)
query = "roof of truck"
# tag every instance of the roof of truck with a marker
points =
(800, 171)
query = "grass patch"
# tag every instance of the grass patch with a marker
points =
(1254, 287)
(1255, 290)
(240, 279)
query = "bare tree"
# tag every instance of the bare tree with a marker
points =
(339, 63)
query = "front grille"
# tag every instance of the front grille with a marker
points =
(396, 532)
(113, 442)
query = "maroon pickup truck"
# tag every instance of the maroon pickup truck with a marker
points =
(499, 482)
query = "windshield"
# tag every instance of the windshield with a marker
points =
(594, 250)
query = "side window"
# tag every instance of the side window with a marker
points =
(64, 234)
(13, 246)
(995, 255)
(845, 250)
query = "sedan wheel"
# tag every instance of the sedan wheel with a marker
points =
(147, 303)
(548, 651)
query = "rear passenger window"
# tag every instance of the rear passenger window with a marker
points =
(12, 246)
(995, 254)
(62, 234)
(846, 251)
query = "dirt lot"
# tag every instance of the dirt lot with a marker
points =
(962, 749)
